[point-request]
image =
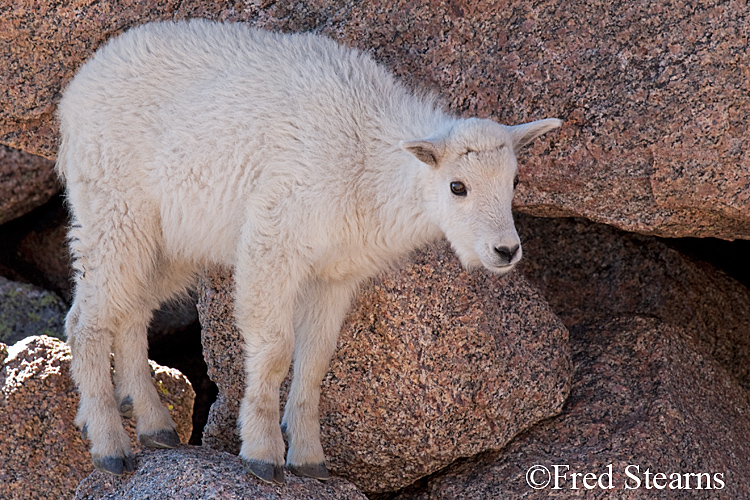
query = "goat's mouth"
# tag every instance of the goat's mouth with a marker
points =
(501, 270)
(499, 265)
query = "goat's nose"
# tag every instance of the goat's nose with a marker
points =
(507, 253)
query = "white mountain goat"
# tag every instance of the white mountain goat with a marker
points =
(302, 164)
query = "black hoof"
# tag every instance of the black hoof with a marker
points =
(126, 407)
(315, 471)
(166, 438)
(117, 466)
(265, 471)
(85, 432)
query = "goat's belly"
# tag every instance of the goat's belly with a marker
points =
(201, 233)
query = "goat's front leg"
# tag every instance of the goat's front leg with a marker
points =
(320, 311)
(266, 289)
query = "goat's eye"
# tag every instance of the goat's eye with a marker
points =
(515, 182)
(458, 188)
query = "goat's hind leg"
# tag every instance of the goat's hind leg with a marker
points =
(114, 298)
(134, 385)
(90, 327)
(90, 335)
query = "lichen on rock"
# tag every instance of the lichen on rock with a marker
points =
(27, 310)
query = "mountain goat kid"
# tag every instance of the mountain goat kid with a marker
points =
(302, 164)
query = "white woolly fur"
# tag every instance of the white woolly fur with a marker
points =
(302, 164)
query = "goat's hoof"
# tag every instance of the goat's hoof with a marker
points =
(85, 432)
(126, 407)
(315, 471)
(165, 438)
(265, 471)
(117, 466)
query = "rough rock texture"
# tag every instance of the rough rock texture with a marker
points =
(26, 181)
(34, 248)
(433, 364)
(176, 393)
(656, 96)
(589, 271)
(45, 249)
(42, 454)
(667, 393)
(27, 310)
(191, 472)
(644, 394)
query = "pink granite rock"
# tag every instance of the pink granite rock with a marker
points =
(42, 455)
(433, 364)
(645, 397)
(655, 96)
(593, 272)
(197, 473)
(26, 181)
(664, 386)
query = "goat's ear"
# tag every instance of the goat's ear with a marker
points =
(429, 151)
(524, 134)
